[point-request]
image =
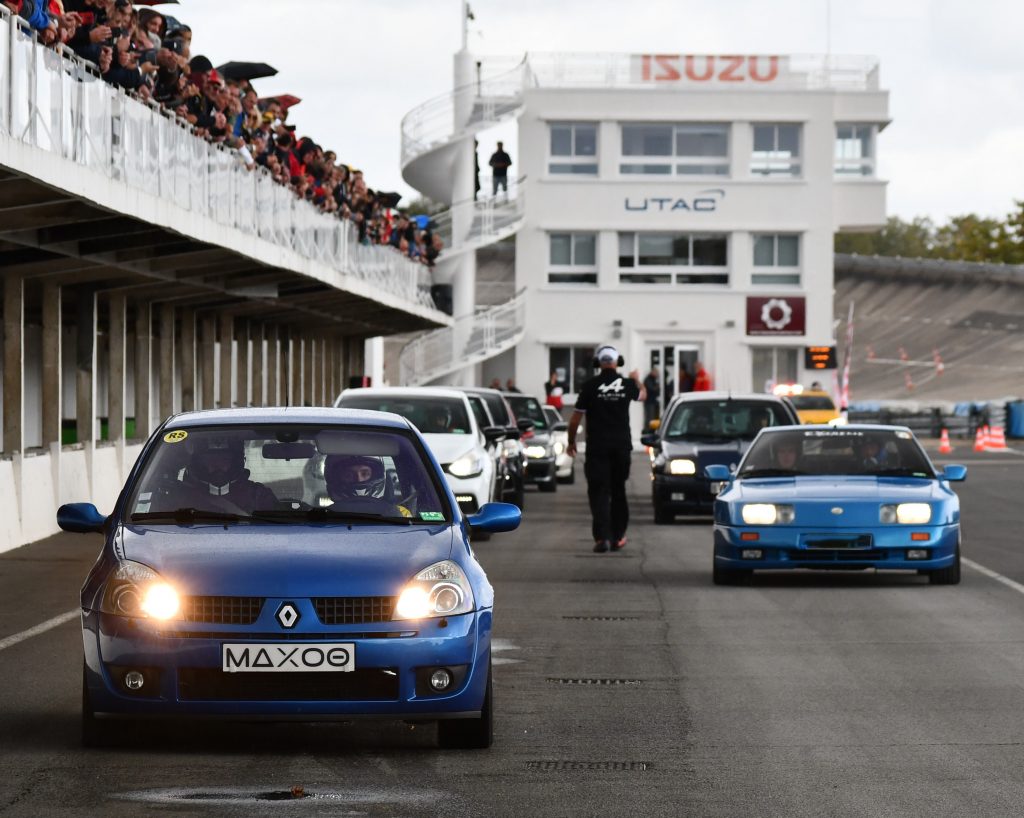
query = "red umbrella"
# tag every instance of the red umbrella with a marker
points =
(286, 101)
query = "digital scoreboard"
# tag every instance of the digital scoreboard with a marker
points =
(819, 357)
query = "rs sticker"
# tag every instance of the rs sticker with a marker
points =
(175, 437)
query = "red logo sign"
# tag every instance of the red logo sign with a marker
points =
(707, 68)
(781, 315)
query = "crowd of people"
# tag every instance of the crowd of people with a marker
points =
(149, 54)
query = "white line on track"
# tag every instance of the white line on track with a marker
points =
(988, 572)
(42, 627)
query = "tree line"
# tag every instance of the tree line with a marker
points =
(962, 238)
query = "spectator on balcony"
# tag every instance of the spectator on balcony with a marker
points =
(500, 162)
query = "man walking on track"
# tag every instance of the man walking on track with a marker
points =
(604, 400)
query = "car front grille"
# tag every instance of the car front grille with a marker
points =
(213, 684)
(836, 555)
(353, 610)
(221, 610)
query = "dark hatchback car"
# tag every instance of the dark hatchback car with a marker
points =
(511, 457)
(538, 443)
(701, 429)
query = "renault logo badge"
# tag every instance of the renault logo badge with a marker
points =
(287, 615)
(837, 510)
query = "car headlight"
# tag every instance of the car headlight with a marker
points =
(536, 451)
(440, 590)
(559, 447)
(137, 590)
(767, 514)
(469, 465)
(683, 466)
(906, 513)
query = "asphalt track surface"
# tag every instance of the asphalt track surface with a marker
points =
(804, 694)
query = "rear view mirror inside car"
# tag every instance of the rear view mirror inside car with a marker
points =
(288, 451)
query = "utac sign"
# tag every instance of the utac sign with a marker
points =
(781, 315)
(708, 69)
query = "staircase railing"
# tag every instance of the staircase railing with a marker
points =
(492, 218)
(471, 339)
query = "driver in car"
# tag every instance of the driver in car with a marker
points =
(215, 479)
(358, 483)
(786, 453)
(700, 421)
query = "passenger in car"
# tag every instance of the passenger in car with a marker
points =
(215, 479)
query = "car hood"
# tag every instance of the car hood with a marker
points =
(447, 448)
(725, 452)
(276, 561)
(859, 498)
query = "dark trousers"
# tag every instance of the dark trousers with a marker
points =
(607, 471)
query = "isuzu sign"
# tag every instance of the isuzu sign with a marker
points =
(781, 315)
(707, 69)
(704, 201)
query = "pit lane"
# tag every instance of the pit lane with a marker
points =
(627, 684)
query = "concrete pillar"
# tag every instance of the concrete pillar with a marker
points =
(167, 319)
(187, 354)
(52, 384)
(143, 369)
(342, 363)
(259, 366)
(273, 356)
(116, 370)
(242, 343)
(227, 339)
(307, 370)
(331, 362)
(288, 368)
(14, 364)
(85, 370)
(209, 357)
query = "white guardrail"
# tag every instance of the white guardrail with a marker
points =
(55, 101)
(470, 339)
(491, 218)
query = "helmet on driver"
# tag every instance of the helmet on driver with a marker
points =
(351, 476)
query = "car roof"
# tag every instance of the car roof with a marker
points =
(848, 427)
(765, 396)
(409, 391)
(479, 390)
(288, 414)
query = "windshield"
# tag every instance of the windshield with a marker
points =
(431, 415)
(499, 410)
(883, 453)
(723, 419)
(529, 408)
(479, 411)
(809, 402)
(552, 415)
(288, 472)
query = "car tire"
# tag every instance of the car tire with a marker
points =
(728, 576)
(663, 516)
(548, 487)
(470, 734)
(947, 576)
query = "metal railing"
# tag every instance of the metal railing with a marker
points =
(56, 102)
(470, 339)
(492, 218)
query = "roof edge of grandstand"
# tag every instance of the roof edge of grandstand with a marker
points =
(927, 269)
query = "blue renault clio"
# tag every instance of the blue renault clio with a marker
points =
(305, 564)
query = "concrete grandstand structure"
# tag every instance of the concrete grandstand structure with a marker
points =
(146, 271)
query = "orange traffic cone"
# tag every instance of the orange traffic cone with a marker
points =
(944, 446)
(997, 440)
(980, 442)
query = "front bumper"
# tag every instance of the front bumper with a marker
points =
(683, 495)
(540, 470)
(786, 547)
(183, 663)
(564, 465)
(470, 492)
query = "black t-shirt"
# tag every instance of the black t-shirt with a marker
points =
(605, 400)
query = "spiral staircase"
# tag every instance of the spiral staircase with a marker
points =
(437, 160)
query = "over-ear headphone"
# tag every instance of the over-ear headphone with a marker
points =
(597, 357)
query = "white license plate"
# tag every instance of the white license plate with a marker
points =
(331, 657)
(678, 496)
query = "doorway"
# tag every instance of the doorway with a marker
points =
(677, 364)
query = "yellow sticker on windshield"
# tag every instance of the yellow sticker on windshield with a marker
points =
(176, 436)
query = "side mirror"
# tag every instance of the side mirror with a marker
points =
(650, 439)
(954, 473)
(80, 518)
(493, 518)
(512, 433)
(492, 434)
(718, 473)
(525, 425)
(654, 425)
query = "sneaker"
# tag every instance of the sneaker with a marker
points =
(601, 546)
(619, 544)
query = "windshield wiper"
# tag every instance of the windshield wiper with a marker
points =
(898, 473)
(770, 473)
(317, 515)
(188, 516)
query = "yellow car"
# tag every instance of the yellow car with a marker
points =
(814, 406)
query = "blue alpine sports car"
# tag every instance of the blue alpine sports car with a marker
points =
(305, 564)
(849, 497)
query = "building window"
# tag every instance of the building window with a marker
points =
(855, 150)
(692, 149)
(572, 258)
(573, 148)
(572, 365)
(774, 365)
(673, 258)
(776, 259)
(776, 150)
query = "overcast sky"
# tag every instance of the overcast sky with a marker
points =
(954, 70)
